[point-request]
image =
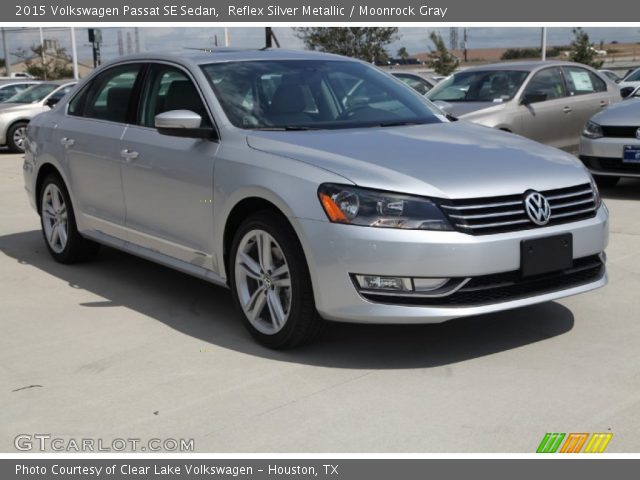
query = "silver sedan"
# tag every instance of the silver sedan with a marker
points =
(545, 101)
(610, 144)
(315, 187)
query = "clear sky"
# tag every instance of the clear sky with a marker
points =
(415, 39)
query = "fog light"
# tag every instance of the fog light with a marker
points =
(375, 282)
(428, 284)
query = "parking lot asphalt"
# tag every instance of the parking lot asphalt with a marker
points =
(124, 348)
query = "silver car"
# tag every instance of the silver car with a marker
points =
(268, 173)
(545, 101)
(17, 111)
(610, 144)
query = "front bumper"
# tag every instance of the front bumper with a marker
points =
(603, 156)
(335, 251)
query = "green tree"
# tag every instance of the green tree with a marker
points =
(440, 59)
(582, 51)
(53, 65)
(365, 43)
(403, 53)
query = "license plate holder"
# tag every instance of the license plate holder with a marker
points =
(631, 154)
(546, 254)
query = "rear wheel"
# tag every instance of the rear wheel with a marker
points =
(59, 229)
(606, 181)
(16, 137)
(271, 283)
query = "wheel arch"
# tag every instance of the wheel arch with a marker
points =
(44, 171)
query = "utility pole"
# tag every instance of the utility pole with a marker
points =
(227, 40)
(74, 54)
(464, 45)
(44, 68)
(7, 60)
(270, 38)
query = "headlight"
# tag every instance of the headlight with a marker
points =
(592, 130)
(373, 208)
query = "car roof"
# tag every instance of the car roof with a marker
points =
(528, 66)
(200, 56)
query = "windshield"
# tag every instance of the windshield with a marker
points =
(479, 86)
(314, 94)
(33, 94)
(634, 77)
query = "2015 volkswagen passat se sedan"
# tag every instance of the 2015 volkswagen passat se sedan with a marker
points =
(315, 187)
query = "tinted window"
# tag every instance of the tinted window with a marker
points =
(108, 95)
(169, 88)
(479, 86)
(313, 94)
(634, 77)
(548, 82)
(582, 82)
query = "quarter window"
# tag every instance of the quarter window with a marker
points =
(169, 88)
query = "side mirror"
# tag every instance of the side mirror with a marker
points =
(52, 101)
(533, 97)
(626, 91)
(182, 123)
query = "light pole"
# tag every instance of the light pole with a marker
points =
(7, 60)
(544, 43)
(74, 54)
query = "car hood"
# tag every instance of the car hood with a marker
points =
(621, 114)
(445, 160)
(460, 109)
(17, 107)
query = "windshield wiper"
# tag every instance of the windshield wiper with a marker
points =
(286, 128)
(399, 124)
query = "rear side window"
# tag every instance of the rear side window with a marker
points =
(108, 96)
(583, 82)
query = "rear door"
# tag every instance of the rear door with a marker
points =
(167, 180)
(587, 95)
(546, 121)
(91, 133)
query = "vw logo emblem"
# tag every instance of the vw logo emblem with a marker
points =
(638, 134)
(537, 208)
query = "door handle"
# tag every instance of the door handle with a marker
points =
(567, 109)
(128, 155)
(67, 142)
(603, 103)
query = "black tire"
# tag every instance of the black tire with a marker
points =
(303, 324)
(77, 248)
(15, 148)
(606, 181)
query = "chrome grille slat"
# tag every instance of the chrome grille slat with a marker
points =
(482, 216)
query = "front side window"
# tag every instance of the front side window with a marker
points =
(634, 77)
(479, 86)
(169, 88)
(419, 85)
(548, 83)
(108, 95)
(57, 95)
(313, 94)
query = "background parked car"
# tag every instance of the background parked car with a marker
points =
(9, 88)
(610, 143)
(546, 101)
(611, 75)
(630, 82)
(16, 112)
(419, 83)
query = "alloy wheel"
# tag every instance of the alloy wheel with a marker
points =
(55, 218)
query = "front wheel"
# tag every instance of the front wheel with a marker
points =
(17, 136)
(270, 282)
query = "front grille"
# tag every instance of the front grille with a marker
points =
(482, 216)
(614, 165)
(503, 287)
(619, 132)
